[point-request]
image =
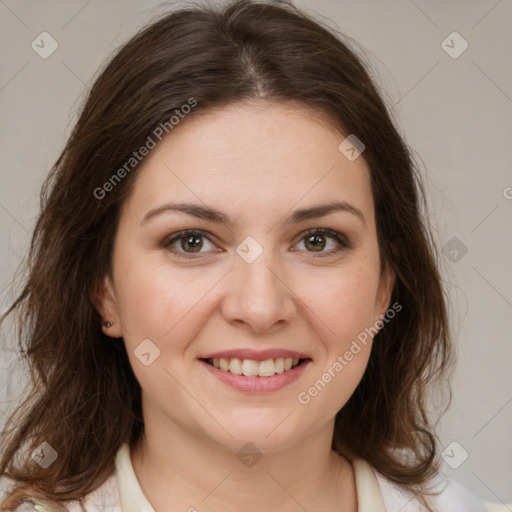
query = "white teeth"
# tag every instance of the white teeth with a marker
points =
(235, 366)
(267, 368)
(252, 368)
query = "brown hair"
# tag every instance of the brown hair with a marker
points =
(80, 379)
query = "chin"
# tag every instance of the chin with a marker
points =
(268, 433)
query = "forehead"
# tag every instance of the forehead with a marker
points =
(259, 156)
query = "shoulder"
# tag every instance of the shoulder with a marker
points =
(450, 496)
(103, 499)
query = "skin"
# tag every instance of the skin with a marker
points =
(256, 163)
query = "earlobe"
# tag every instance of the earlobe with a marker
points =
(104, 301)
(112, 329)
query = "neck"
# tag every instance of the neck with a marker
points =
(175, 466)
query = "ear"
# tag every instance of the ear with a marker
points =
(104, 301)
(384, 291)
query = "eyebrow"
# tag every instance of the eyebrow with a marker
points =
(213, 215)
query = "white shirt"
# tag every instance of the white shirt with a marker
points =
(121, 492)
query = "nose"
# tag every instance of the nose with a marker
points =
(257, 295)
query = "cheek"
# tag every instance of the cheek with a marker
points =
(159, 302)
(342, 309)
(344, 301)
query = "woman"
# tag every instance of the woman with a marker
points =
(232, 300)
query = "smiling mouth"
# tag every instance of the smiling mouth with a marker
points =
(252, 368)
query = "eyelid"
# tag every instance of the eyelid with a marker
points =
(167, 241)
(340, 238)
(343, 242)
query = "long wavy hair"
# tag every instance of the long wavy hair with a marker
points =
(83, 397)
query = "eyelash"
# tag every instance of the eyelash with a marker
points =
(328, 233)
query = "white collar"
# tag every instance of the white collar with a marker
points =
(369, 495)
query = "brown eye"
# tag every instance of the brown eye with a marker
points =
(188, 243)
(315, 242)
(324, 242)
(194, 242)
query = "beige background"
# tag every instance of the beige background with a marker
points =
(455, 112)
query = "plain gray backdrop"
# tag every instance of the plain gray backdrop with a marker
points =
(452, 103)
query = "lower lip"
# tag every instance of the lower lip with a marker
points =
(257, 384)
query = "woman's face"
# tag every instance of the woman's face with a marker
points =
(256, 286)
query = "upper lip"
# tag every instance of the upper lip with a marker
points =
(256, 355)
